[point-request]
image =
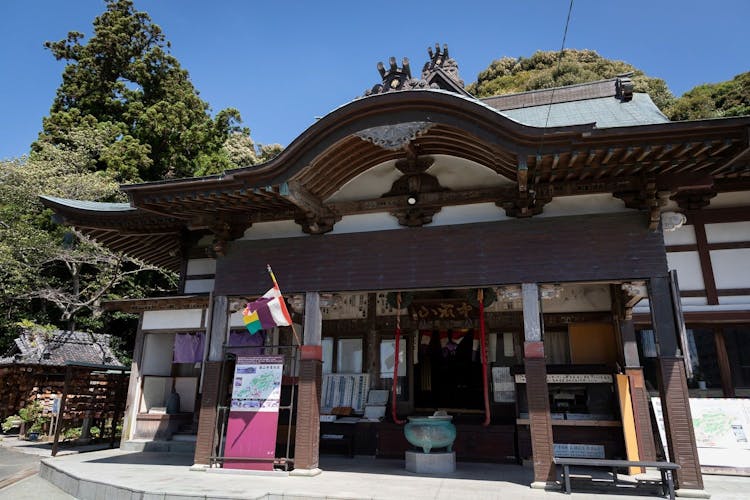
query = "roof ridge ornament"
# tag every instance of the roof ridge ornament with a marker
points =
(441, 60)
(396, 78)
(624, 89)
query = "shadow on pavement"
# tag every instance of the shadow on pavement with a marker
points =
(146, 458)
(509, 473)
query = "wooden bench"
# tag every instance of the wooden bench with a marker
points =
(665, 468)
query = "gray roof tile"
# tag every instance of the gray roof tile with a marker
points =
(605, 112)
(59, 347)
(94, 206)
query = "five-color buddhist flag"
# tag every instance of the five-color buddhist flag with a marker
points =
(268, 311)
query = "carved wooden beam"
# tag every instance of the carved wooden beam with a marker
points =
(224, 228)
(317, 225)
(416, 216)
(694, 199)
(441, 198)
(498, 195)
(316, 218)
(633, 292)
(526, 204)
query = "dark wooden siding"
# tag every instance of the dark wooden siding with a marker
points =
(560, 249)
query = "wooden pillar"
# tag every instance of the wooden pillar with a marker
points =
(723, 358)
(673, 389)
(307, 439)
(638, 393)
(537, 394)
(372, 346)
(133, 398)
(206, 439)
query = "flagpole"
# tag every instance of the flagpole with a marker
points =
(276, 284)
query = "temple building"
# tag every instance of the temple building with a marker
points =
(506, 259)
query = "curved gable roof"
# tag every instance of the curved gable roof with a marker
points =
(347, 142)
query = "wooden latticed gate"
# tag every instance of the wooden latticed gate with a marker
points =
(96, 392)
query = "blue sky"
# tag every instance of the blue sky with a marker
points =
(282, 63)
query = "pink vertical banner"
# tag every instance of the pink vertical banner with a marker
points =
(254, 413)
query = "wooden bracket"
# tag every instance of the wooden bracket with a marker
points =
(315, 217)
(226, 230)
(526, 204)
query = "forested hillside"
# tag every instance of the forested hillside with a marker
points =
(547, 69)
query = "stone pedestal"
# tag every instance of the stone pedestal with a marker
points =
(431, 463)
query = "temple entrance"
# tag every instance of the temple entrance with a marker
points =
(438, 366)
(448, 370)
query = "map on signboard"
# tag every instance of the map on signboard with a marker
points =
(722, 430)
(721, 425)
(257, 385)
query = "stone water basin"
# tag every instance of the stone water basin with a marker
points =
(431, 432)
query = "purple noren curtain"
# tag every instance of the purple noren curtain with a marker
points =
(243, 339)
(188, 347)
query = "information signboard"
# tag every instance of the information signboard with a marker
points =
(253, 415)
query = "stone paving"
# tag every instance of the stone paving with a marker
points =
(116, 474)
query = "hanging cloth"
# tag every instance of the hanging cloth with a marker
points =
(483, 346)
(188, 347)
(396, 355)
(241, 339)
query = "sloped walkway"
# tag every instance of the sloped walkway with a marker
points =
(114, 474)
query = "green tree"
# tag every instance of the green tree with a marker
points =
(546, 69)
(238, 150)
(48, 272)
(714, 100)
(124, 84)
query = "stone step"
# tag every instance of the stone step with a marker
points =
(144, 445)
(186, 437)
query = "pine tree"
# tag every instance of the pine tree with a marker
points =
(124, 83)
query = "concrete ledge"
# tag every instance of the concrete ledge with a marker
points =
(86, 489)
(145, 445)
(245, 472)
(305, 472)
(688, 493)
(545, 485)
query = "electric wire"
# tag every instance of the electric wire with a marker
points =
(557, 72)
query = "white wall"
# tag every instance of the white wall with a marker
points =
(366, 222)
(276, 229)
(731, 268)
(684, 235)
(688, 268)
(174, 319)
(201, 266)
(198, 286)
(726, 232)
(583, 204)
(467, 214)
(158, 350)
(733, 199)
(579, 298)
